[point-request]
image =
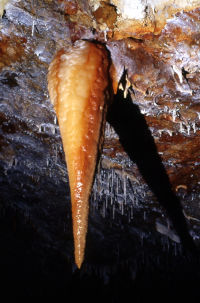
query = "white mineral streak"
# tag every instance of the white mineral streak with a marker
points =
(94, 4)
(130, 9)
(165, 230)
(2, 6)
(137, 9)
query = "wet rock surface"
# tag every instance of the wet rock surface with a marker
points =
(139, 239)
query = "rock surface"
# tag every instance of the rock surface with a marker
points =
(150, 164)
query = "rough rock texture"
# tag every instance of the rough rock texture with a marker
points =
(125, 18)
(148, 171)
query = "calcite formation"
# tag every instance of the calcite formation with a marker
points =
(78, 82)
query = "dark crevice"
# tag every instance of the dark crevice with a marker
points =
(185, 73)
(9, 79)
(4, 15)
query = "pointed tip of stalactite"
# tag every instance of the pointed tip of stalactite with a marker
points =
(80, 224)
(78, 257)
(80, 231)
(79, 263)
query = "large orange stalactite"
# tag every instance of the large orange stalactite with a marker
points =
(78, 86)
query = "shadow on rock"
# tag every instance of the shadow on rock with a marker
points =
(136, 139)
